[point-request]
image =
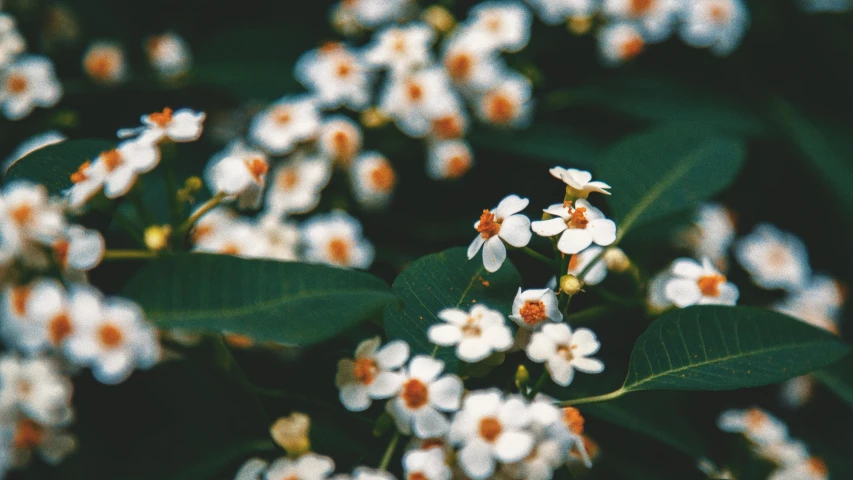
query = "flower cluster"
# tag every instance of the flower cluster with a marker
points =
(769, 439)
(169, 55)
(26, 81)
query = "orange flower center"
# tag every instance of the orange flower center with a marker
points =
(533, 312)
(718, 13)
(565, 351)
(494, 23)
(632, 47)
(112, 159)
(22, 214)
(415, 92)
(20, 295)
(229, 249)
(110, 336)
(417, 476)
(60, 252)
(755, 418)
(201, 231)
(471, 328)
(16, 84)
(258, 167)
(344, 69)
(288, 178)
(578, 218)
(239, 341)
(490, 429)
(458, 165)
(343, 146)
(499, 109)
(161, 119)
(155, 46)
(28, 435)
(709, 285)
(447, 127)
(331, 47)
(101, 65)
(415, 394)
(817, 467)
(365, 370)
(282, 115)
(574, 261)
(383, 177)
(59, 328)
(488, 226)
(399, 43)
(339, 251)
(573, 419)
(459, 66)
(432, 443)
(640, 7)
(80, 174)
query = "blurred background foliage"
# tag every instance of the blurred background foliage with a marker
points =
(785, 93)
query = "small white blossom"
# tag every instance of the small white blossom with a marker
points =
(285, 123)
(579, 181)
(27, 208)
(281, 238)
(564, 351)
(715, 24)
(374, 13)
(489, 429)
(240, 238)
(183, 125)
(372, 374)
(373, 180)
(579, 226)
(774, 259)
(40, 316)
(508, 103)
(105, 63)
(426, 465)
(28, 82)
(579, 262)
(449, 160)
(470, 61)
(657, 17)
(554, 12)
(401, 49)
(712, 233)
(36, 388)
(12, 43)
(240, 173)
(307, 467)
(340, 140)
(80, 249)
(169, 54)
(620, 42)
(21, 437)
(699, 284)
(336, 75)
(810, 469)
(336, 239)
(118, 169)
(252, 469)
(504, 223)
(818, 303)
(423, 396)
(297, 184)
(797, 391)
(656, 297)
(756, 425)
(414, 100)
(504, 25)
(476, 334)
(531, 308)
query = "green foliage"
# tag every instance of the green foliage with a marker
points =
(726, 348)
(667, 170)
(445, 280)
(839, 378)
(548, 143)
(291, 303)
(53, 165)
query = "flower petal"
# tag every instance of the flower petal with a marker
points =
(475, 246)
(513, 446)
(549, 228)
(473, 349)
(588, 365)
(515, 230)
(446, 393)
(393, 355)
(476, 460)
(494, 254)
(430, 423)
(355, 397)
(510, 206)
(574, 240)
(683, 292)
(603, 231)
(385, 385)
(425, 369)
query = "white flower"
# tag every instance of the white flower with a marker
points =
(756, 425)
(810, 469)
(297, 184)
(105, 63)
(422, 398)
(718, 24)
(20, 437)
(476, 334)
(580, 226)
(532, 307)
(111, 336)
(489, 429)
(797, 391)
(695, 284)
(38, 316)
(505, 25)
(656, 298)
(448, 122)
(374, 13)
(30, 145)
(470, 61)
(80, 249)
(307, 467)
(818, 303)
(252, 469)
(362, 473)
(620, 42)
(340, 140)
(240, 173)
(579, 262)
(169, 54)
(28, 209)
(564, 351)
(657, 17)
(508, 103)
(118, 168)
(426, 465)
(579, 181)
(712, 233)
(447, 160)
(774, 259)
(336, 239)
(285, 123)
(12, 43)
(212, 225)
(371, 375)
(27, 83)
(336, 75)
(504, 223)
(36, 388)
(373, 180)
(282, 238)
(240, 237)
(401, 49)
(413, 100)
(554, 12)
(184, 125)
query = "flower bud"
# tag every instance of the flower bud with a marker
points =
(522, 377)
(570, 284)
(193, 184)
(579, 25)
(616, 260)
(291, 433)
(157, 237)
(373, 117)
(439, 18)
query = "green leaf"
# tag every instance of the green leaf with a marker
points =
(726, 348)
(667, 170)
(53, 165)
(544, 142)
(445, 280)
(286, 302)
(839, 378)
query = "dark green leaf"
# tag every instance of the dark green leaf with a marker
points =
(667, 170)
(545, 142)
(839, 378)
(53, 165)
(291, 303)
(445, 280)
(726, 348)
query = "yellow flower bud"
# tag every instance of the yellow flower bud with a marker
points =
(579, 25)
(439, 18)
(522, 377)
(570, 284)
(291, 433)
(616, 260)
(157, 237)
(373, 117)
(193, 184)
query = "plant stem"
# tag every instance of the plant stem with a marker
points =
(206, 207)
(171, 191)
(389, 452)
(598, 398)
(540, 382)
(129, 254)
(589, 313)
(538, 256)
